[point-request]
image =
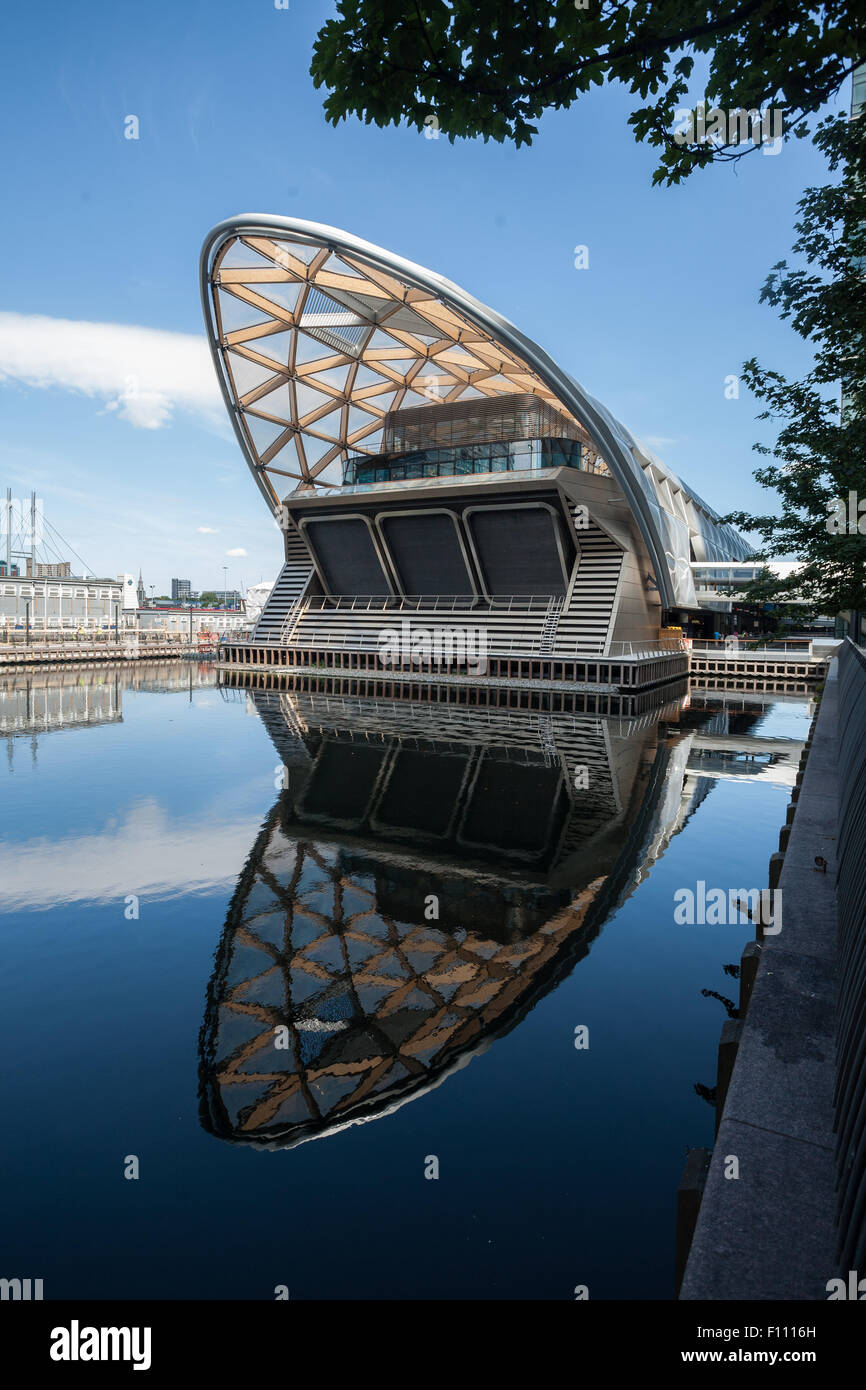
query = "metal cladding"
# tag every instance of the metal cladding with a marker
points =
(319, 338)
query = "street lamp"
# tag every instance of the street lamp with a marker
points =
(225, 586)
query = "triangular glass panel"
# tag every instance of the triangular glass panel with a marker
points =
(332, 473)
(471, 393)
(235, 313)
(262, 432)
(273, 345)
(329, 424)
(400, 365)
(382, 401)
(277, 402)
(334, 376)
(364, 376)
(456, 353)
(405, 320)
(247, 375)
(315, 449)
(311, 350)
(384, 340)
(308, 399)
(297, 249)
(358, 418)
(341, 267)
(240, 256)
(282, 292)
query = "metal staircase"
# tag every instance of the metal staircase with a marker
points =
(284, 598)
(585, 624)
(547, 636)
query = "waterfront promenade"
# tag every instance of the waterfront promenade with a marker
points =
(785, 1218)
(68, 650)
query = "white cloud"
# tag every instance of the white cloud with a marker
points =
(207, 531)
(144, 374)
(148, 853)
(658, 441)
(239, 554)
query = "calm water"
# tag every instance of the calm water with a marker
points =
(286, 857)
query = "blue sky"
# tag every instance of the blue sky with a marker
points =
(101, 230)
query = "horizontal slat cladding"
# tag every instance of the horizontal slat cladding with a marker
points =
(289, 588)
(850, 1096)
(335, 627)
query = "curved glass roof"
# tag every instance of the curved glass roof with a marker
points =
(317, 336)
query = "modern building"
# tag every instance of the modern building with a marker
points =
(65, 603)
(435, 470)
(181, 590)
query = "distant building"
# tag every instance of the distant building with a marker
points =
(224, 598)
(142, 593)
(13, 570)
(61, 570)
(65, 602)
(169, 620)
(181, 590)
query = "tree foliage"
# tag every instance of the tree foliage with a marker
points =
(819, 457)
(490, 68)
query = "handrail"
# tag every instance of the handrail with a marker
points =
(780, 650)
(636, 649)
(750, 644)
(426, 602)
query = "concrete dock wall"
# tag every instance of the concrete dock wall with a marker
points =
(766, 1228)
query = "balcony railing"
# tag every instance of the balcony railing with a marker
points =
(429, 603)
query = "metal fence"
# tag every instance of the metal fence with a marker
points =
(850, 1098)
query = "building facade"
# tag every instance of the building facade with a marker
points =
(167, 621)
(64, 603)
(431, 465)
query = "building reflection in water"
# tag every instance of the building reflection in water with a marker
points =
(42, 700)
(338, 994)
